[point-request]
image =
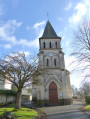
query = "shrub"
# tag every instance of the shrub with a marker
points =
(8, 92)
(87, 107)
(74, 97)
(87, 99)
(8, 115)
(14, 110)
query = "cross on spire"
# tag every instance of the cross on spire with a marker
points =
(47, 15)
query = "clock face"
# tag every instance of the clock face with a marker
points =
(50, 54)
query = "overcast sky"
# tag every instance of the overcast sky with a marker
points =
(22, 22)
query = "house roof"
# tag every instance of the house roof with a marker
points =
(49, 32)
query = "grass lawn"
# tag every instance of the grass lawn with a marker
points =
(24, 113)
(87, 107)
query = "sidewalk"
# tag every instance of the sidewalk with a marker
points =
(67, 112)
(84, 110)
(88, 113)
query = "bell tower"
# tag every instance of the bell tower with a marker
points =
(55, 88)
(50, 55)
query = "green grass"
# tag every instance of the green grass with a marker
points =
(87, 107)
(24, 113)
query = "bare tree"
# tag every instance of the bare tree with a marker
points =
(81, 48)
(84, 89)
(20, 72)
(74, 91)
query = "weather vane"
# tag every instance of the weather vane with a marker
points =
(47, 15)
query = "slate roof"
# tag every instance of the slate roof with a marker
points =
(49, 32)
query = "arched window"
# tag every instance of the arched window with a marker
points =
(50, 44)
(47, 62)
(55, 62)
(44, 44)
(56, 44)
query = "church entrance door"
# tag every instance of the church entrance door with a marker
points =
(53, 95)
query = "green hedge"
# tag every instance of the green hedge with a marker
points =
(8, 92)
(87, 99)
(74, 97)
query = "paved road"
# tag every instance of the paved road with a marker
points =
(66, 112)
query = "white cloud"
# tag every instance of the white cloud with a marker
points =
(7, 46)
(80, 10)
(33, 43)
(27, 53)
(7, 31)
(76, 77)
(68, 6)
(37, 26)
(75, 66)
(70, 62)
(9, 27)
(14, 23)
(67, 43)
(13, 54)
(60, 33)
(60, 19)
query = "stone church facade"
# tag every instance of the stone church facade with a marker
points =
(54, 88)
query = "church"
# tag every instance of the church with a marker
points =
(55, 88)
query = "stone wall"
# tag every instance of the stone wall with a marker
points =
(2, 82)
(6, 99)
(60, 102)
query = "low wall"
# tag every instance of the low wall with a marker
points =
(6, 99)
(46, 102)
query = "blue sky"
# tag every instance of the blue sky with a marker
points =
(22, 22)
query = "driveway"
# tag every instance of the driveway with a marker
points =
(66, 112)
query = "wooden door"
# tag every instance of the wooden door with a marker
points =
(53, 95)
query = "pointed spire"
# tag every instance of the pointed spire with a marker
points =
(49, 31)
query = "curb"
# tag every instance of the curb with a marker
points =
(88, 113)
(84, 111)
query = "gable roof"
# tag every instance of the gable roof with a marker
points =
(49, 32)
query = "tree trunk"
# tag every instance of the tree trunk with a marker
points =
(18, 99)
